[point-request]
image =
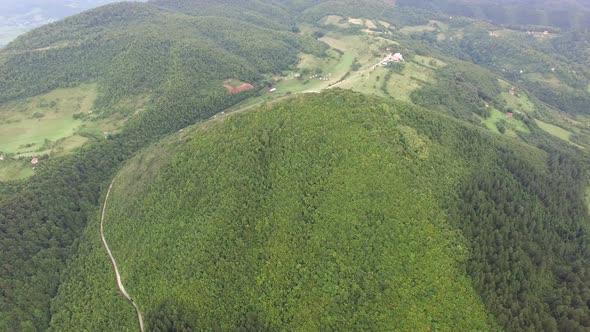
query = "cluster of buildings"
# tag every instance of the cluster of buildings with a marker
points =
(395, 58)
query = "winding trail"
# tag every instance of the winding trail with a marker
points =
(106, 246)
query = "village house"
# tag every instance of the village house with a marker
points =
(395, 58)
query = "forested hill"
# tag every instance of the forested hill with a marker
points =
(339, 211)
(129, 49)
(135, 48)
(446, 193)
(556, 13)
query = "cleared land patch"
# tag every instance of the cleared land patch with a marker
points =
(55, 124)
(15, 169)
(554, 130)
(236, 86)
(27, 126)
(511, 124)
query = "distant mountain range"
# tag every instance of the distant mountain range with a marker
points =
(558, 13)
(19, 17)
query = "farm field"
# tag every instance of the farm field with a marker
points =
(15, 169)
(518, 102)
(353, 63)
(55, 124)
(27, 126)
(554, 130)
(512, 125)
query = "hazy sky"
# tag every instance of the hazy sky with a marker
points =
(19, 16)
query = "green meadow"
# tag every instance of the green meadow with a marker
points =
(27, 126)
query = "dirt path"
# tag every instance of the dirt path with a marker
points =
(117, 275)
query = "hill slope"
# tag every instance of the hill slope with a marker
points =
(178, 61)
(343, 211)
(340, 211)
(246, 225)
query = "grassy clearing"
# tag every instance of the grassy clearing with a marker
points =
(518, 102)
(314, 74)
(314, 70)
(15, 170)
(401, 87)
(416, 29)
(429, 62)
(554, 130)
(370, 24)
(512, 125)
(366, 52)
(413, 76)
(27, 126)
(549, 79)
(385, 24)
(47, 123)
(57, 123)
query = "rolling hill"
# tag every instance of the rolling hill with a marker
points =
(561, 14)
(240, 223)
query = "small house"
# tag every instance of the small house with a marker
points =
(509, 115)
(273, 90)
(396, 58)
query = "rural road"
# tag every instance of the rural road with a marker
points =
(106, 246)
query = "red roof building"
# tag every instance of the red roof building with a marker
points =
(240, 88)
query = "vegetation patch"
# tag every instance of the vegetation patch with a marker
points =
(11, 170)
(292, 256)
(554, 130)
(504, 123)
(235, 86)
(26, 126)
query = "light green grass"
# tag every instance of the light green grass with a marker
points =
(336, 20)
(548, 79)
(15, 170)
(368, 82)
(519, 102)
(401, 86)
(429, 62)
(554, 130)
(385, 24)
(512, 124)
(370, 24)
(359, 48)
(68, 145)
(22, 132)
(416, 29)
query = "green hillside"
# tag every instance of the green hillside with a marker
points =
(447, 191)
(244, 226)
(245, 221)
(156, 71)
(561, 14)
